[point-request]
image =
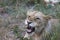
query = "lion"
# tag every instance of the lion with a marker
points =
(38, 24)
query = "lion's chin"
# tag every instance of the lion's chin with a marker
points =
(27, 35)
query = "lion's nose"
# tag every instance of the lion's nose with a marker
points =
(29, 22)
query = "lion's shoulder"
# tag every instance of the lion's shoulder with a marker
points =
(51, 24)
(55, 21)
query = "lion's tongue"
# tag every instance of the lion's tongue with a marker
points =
(28, 30)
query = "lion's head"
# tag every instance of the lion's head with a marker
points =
(37, 20)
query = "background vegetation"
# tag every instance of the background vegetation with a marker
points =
(13, 13)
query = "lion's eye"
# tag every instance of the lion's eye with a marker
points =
(28, 16)
(37, 18)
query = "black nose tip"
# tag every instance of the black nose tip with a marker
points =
(29, 22)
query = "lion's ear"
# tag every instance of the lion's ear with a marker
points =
(47, 17)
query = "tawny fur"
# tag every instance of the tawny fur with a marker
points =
(42, 23)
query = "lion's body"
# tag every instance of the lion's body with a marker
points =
(43, 24)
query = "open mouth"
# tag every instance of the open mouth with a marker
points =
(29, 32)
(30, 29)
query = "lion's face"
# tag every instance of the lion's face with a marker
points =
(35, 18)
